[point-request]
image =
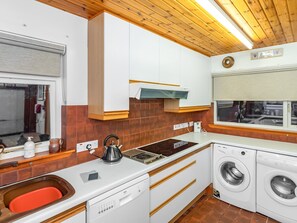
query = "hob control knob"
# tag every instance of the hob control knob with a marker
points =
(243, 153)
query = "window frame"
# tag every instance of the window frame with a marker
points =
(56, 101)
(286, 120)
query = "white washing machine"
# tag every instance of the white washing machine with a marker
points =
(234, 176)
(276, 186)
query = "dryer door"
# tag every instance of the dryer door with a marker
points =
(282, 187)
(232, 174)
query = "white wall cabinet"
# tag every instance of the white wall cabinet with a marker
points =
(195, 75)
(108, 79)
(170, 64)
(144, 55)
(177, 184)
(153, 58)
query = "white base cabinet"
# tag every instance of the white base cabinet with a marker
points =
(203, 169)
(174, 185)
(78, 218)
(76, 214)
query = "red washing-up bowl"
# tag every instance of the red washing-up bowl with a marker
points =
(34, 199)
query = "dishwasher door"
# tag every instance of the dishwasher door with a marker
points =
(128, 203)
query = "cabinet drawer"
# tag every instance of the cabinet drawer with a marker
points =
(168, 187)
(176, 204)
(170, 168)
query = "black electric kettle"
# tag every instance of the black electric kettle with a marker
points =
(112, 152)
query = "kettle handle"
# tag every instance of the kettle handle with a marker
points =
(111, 136)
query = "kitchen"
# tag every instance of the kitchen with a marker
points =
(247, 107)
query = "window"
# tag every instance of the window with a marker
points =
(24, 112)
(261, 114)
(45, 105)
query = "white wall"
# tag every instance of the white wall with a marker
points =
(31, 18)
(243, 62)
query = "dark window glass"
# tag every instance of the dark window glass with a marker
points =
(251, 112)
(24, 112)
(294, 113)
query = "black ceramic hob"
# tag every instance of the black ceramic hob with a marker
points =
(168, 147)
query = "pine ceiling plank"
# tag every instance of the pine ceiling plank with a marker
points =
(281, 8)
(137, 18)
(68, 7)
(185, 15)
(200, 41)
(292, 6)
(168, 23)
(188, 26)
(266, 22)
(245, 11)
(90, 6)
(233, 13)
(256, 9)
(214, 27)
(272, 17)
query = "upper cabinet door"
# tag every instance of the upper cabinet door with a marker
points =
(170, 55)
(195, 75)
(116, 64)
(144, 55)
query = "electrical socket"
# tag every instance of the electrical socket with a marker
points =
(191, 123)
(180, 126)
(80, 147)
(176, 127)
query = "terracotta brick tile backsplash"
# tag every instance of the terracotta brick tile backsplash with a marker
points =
(147, 123)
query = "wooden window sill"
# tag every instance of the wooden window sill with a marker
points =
(39, 157)
(254, 130)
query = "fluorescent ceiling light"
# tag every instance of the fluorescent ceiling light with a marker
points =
(212, 8)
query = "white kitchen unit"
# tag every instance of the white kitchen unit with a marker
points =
(170, 55)
(76, 214)
(176, 184)
(128, 203)
(195, 75)
(144, 55)
(153, 58)
(203, 168)
(108, 79)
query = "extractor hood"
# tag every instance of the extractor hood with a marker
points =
(150, 91)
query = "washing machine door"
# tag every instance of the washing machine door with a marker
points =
(232, 174)
(282, 187)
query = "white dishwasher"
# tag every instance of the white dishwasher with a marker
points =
(128, 203)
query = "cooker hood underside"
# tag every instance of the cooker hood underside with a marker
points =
(154, 91)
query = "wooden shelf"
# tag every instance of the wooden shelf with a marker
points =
(188, 109)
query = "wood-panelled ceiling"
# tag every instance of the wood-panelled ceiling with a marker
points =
(266, 22)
